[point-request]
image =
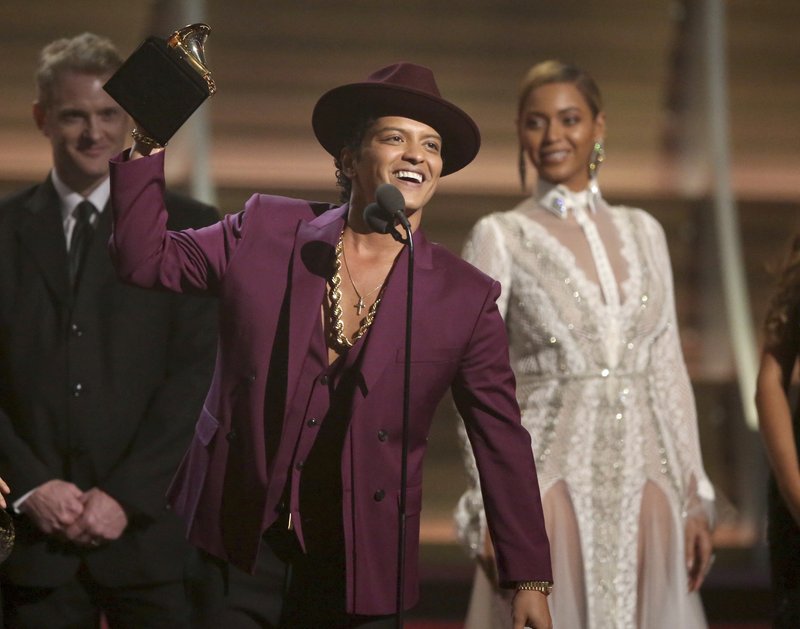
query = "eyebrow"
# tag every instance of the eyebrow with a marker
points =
(402, 130)
(569, 109)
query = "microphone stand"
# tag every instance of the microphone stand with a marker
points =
(381, 217)
(401, 541)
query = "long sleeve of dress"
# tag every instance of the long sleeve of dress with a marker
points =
(675, 404)
(485, 250)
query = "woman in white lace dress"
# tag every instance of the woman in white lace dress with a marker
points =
(589, 307)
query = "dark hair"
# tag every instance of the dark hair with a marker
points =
(353, 142)
(780, 323)
(88, 53)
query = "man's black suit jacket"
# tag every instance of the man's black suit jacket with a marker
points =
(101, 388)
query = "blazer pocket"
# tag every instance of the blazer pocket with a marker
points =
(413, 500)
(429, 354)
(206, 427)
(188, 484)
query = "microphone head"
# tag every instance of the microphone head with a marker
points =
(378, 219)
(390, 198)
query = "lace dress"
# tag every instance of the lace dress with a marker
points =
(606, 397)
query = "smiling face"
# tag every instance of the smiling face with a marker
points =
(400, 151)
(85, 126)
(557, 131)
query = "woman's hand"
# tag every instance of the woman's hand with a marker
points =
(698, 551)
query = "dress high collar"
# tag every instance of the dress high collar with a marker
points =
(559, 199)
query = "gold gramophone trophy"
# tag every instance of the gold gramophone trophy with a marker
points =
(164, 81)
(190, 42)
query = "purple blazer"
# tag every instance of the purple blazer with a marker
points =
(273, 256)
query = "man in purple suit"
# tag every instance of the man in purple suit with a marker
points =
(294, 471)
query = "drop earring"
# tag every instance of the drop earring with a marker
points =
(598, 155)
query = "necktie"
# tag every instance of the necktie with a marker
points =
(81, 237)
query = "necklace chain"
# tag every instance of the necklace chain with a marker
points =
(335, 296)
(360, 304)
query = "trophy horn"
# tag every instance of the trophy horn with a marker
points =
(189, 42)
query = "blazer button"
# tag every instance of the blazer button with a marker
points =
(312, 422)
(379, 495)
(251, 378)
(77, 389)
(323, 379)
(299, 466)
(76, 329)
(382, 435)
(231, 436)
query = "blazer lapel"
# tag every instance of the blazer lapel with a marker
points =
(385, 342)
(314, 247)
(315, 243)
(42, 234)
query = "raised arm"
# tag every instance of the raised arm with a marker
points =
(144, 252)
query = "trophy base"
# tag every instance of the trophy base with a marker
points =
(158, 88)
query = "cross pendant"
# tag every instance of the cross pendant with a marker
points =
(360, 305)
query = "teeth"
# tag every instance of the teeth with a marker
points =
(407, 174)
(556, 155)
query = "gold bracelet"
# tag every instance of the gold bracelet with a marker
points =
(138, 136)
(545, 587)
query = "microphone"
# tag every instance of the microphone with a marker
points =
(388, 208)
(378, 219)
(391, 200)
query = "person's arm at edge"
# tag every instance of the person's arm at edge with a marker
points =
(775, 426)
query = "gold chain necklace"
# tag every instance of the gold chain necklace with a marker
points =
(335, 295)
(360, 305)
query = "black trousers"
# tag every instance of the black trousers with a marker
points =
(78, 603)
(290, 590)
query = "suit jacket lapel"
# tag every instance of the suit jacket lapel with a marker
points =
(385, 341)
(42, 233)
(315, 244)
(314, 248)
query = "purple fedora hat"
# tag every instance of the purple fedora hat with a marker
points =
(402, 89)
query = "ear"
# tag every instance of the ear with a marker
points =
(347, 159)
(39, 116)
(600, 126)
